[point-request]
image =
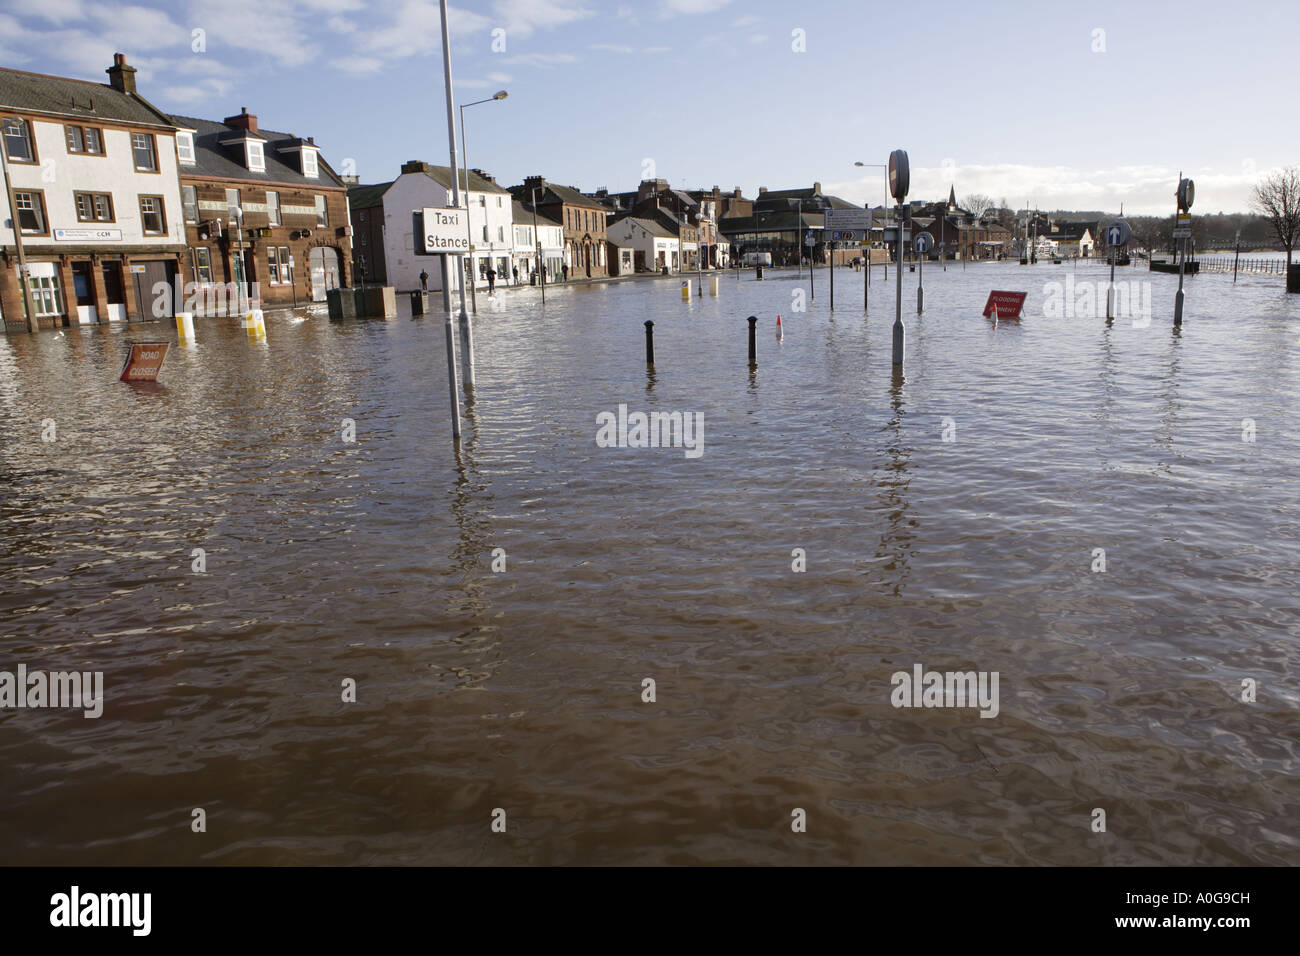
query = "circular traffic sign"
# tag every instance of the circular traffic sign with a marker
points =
(1186, 193)
(923, 242)
(899, 174)
(1118, 233)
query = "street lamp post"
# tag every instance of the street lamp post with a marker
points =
(469, 231)
(23, 282)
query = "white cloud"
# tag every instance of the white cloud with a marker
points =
(669, 8)
(541, 59)
(657, 49)
(611, 47)
(341, 25)
(499, 77)
(358, 64)
(55, 11)
(522, 17)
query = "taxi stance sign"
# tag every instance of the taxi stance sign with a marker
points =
(440, 231)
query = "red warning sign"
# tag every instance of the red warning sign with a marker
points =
(1009, 304)
(144, 362)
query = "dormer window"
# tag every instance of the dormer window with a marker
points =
(309, 167)
(256, 158)
(185, 147)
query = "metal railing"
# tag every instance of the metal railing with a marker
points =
(1245, 266)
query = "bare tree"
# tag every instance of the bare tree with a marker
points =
(977, 204)
(1277, 199)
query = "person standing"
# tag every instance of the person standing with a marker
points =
(565, 269)
(492, 280)
(515, 270)
(424, 281)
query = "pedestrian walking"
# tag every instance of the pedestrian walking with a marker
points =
(492, 280)
(424, 281)
(565, 269)
(516, 272)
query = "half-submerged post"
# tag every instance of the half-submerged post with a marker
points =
(899, 177)
(753, 348)
(1186, 193)
(649, 342)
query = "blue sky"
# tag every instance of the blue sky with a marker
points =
(1051, 104)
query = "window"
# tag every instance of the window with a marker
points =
(185, 147)
(191, 197)
(151, 216)
(485, 234)
(482, 200)
(273, 265)
(501, 233)
(84, 139)
(18, 141)
(273, 208)
(94, 207)
(201, 260)
(256, 158)
(309, 168)
(322, 214)
(233, 209)
(46, 294)
(31, 211)
(286, 273)
(498, 202)
(362, 214)
(363, 239)
(142, 148)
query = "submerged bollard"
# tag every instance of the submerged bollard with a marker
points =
(753, 331)
(185, 327)
(254, 324)
(713, 285)
(686, 291)
(649, 342)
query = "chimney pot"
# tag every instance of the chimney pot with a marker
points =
(121, 76)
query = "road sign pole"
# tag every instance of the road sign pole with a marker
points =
(831, 247)
(899, 333)
(1110, 290)
(812, 268)
(866, 272)
(920, 283)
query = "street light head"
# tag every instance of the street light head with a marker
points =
(501, 95)
(859, 164)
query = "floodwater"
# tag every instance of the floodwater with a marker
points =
(522, 690)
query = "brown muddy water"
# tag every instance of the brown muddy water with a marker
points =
(522, 690)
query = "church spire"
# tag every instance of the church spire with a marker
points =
(952, 197)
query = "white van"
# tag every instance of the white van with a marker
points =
(757, 259)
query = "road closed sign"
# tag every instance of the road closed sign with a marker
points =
(144, 362)
(440, 231)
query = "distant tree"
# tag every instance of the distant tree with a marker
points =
(977, 204)
(1277, 199)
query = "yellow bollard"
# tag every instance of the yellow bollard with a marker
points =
(686, 292)
(185, 327)
(713, 286)
(254, 324)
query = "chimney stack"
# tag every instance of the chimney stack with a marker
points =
(762, 190)
(245, 120)
(120, 76)
(817, 189)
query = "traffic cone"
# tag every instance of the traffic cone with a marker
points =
(780, 333)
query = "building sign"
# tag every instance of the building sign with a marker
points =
(144, 362)
(87, 235)
(438, 231)
(1008, 304)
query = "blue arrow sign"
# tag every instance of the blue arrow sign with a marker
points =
(922, 242)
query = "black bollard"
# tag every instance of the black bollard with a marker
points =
(753, 350)
(649, 342)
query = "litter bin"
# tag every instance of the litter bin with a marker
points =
(532, 278)
(758, 272)
(1293, 278)
(665, 270)
(419, 303)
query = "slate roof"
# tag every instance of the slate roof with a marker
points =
(227, 162)
(523, 215)
(81, 99)
(367, 197)
(649, 225)
(442, 176)
(553, 193)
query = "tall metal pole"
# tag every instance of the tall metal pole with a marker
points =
(831, 247)
(537, 234)
(18, 240)
(1182, 262)
(451, 140)
(899, 334)
(469, 230)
